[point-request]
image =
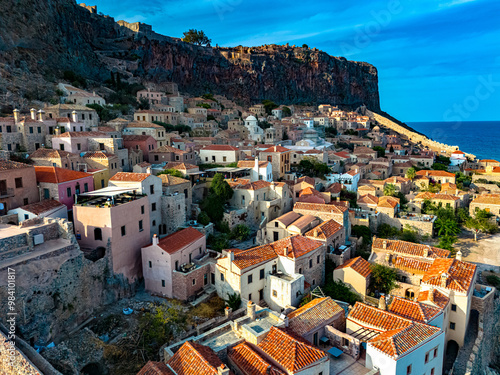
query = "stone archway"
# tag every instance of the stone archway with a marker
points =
(451, 353)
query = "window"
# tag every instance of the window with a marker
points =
(452, 325)
(300, 270)
(61, 147)
(26, 217)
(250, 279)
(221, 277)
(19, 182)
(140, 226)
(435, 353)
(97, 234)
(275, 293)
(78, 146)
(262, 273)
(86, 187)
(310, 263)
(46, 193)
(25, 201)
(124, 232)
(432, 371)
(150, 264)
(453, 307)
(426, 357)
(408, 370)
(9, 129)
(153, 206)
(31, 129)
(318, 259)
(68, 192)
(163, 283)
(152, 189)
(315, 338)
(142, 210)
(156, 157)
(194, 281)
(250, 297)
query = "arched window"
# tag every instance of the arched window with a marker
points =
(98, 234)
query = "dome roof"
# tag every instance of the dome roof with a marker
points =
(251, 118)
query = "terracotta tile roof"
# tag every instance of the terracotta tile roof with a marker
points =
(168, 180)
(451, 274)
(306, 179)
(254, 256)
(250, 362)
(42, 206)
(57, 175)
(319, 312)
(320, 207)
(376, 319)
(288, 218)
(166, 148)
(359, 265)
(251, 164)
(302, 222)
(129, 176)
(155, 368)
(398, 342)
(276, 149)
(180, 165)
(310, 191)
(436, 196)
(179, 240)
(6, 165)
(416, 311)
(47, 153)
(388, 202)
(290, 351)
(431, 173)
(325, 230)
(82, 134)
(106, 129)
(295, 246)
(491, 199)
(368, 199)
(411, 264)
(410, 248)
(195, 359)
(220, 148)
(136, 138)
(397, 179)
(488, 161)
(334, 188)
(256, 185)
(98, 155)
(342, 154)
(433, 297)
(143, 124)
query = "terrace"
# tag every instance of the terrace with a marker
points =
(108, 197)
(417, 217)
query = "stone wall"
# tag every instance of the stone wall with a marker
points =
(173, 211)
(236, 217)
(182, 283)
(9, 219)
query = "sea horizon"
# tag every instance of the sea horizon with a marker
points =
(474, 137)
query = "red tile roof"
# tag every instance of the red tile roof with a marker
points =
(43, 206)
(416, 311)
(195, 359)
(179, 240)
(433, 297)
(359, 265)
(451, 274)
(251, 164)
(410, 248)
(129, 176)
(388, 202)
(279, 149)
(220, 148)
(319, 312)
(250, 362)
(136, 138)
(57, 175)
(325, 230)
(411, 264)
(320, 207)
(98, 155)
(295, 246)
(306, 179)
(43, 153)
(82, 134)
(166, 148)
(431, 173)
(290, 351)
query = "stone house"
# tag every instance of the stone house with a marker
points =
(355, 273)
(440, 177)
(146, 128)
(286, 225)
(220, 154)
(145, 184)
(279, 157)
(172, 185)
(47, 208)
(168, 153)
(331, 233)
(325, 212)
(84, 114)
(260, 170)
(18, 185)
(63, 185)
(99, 160)
(153, 97)
(300, 184)
(440, 200)
(488, 202)
(173, 212)
(175, 266)
(145, 143)
(56, 158)
(402, 184)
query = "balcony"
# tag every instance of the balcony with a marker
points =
(7, 193)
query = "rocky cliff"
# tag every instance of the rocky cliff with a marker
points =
(39, 39)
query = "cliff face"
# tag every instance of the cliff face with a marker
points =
(41, 38)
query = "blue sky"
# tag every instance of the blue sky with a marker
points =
(437, 59)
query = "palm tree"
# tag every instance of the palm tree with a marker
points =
(411, 173)
(390, 190)
(446, 227)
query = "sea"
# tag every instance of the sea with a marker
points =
(480, 138)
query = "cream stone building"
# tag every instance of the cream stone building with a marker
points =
(355, 273)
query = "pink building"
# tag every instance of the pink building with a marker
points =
(123, 219)
(63, 184)
(17, 185)
(146, 143)
(175, 266)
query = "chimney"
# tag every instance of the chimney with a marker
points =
(315, 232)
(74, 116)
(155, 240)
(256, 166)
(227, 311)
(230, 256)
(16, 115)
(223, 370)
(426, 251)
(444, 278)
(33, 113)
(381, 303)
(40, 115)
(459, 255)
(251, 310)
(384, 244)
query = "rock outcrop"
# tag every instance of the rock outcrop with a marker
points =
(39, 39)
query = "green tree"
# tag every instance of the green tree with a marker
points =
(380, 151)
(446, 242)
(411, 173)
(240, 232)
(439, 167)
(481, 223)
(269, 105)
(446, 227)
(383, 278)
(233, 301)
(143, 103)
(287, 112)
(203, 218)
(196, 37)
(390, 190)
(220, 188)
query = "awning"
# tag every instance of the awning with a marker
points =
(336, 352)
(109, 191)
(324, 339)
